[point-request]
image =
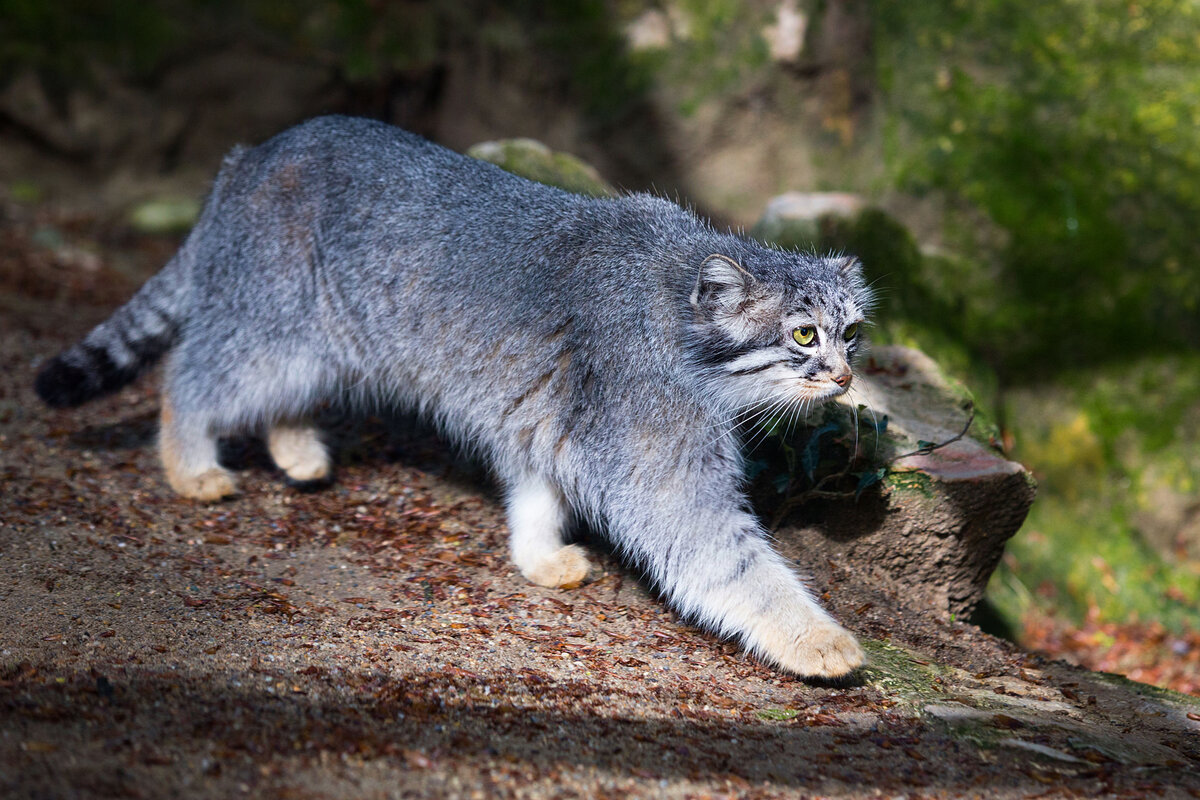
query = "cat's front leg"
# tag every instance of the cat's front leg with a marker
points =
(717, 568)
(537, 519)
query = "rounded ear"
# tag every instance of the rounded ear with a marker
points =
(721, 285)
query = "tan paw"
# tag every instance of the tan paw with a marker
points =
(299, 452)
(826, 650)
(212, 484)
(566, 568)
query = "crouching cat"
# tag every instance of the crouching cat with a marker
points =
(599, 353)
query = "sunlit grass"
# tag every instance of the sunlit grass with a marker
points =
(1114, 535)
(1076, 561)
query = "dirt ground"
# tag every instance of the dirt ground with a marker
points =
(372, 639)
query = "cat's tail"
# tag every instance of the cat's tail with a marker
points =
(138, 333)
(120, 348)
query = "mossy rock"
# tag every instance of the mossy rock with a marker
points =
(901, 675)
(165, 215)
(802, 220)
(532, 159)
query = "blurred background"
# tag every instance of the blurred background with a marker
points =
(1032, 174)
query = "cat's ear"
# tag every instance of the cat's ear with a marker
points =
(849, 266)
(722, 286)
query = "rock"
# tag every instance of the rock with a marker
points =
(934, 507)
(785, 37)
(532, 159)
(921, 286)
(651, 30)
(796, 219)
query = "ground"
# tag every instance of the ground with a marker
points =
(371, 639)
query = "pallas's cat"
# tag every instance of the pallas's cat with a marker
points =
(599, 353)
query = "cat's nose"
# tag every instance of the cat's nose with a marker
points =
(843, 380)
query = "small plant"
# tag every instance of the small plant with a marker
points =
(843, 456)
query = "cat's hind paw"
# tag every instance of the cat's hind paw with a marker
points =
(826, 650)
(210, 485)
(300, 453)
(565, 568)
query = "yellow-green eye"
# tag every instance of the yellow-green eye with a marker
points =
(804, 335)
(851, 332)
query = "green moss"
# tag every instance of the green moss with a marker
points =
(26, 192)
(777, 714)
(910, 481)
(900, 674)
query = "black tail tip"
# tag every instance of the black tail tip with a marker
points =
(61, 385)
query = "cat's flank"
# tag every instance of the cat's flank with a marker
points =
(599, 352)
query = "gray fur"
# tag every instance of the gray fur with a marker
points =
(593, 350)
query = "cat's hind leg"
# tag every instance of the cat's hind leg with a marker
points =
(537, 517)
(188, 450)
(298, 450)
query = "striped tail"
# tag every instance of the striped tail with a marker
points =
(141, 331)
(122, 347)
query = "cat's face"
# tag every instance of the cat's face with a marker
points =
(782, 333)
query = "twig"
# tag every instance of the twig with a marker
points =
(930, 446)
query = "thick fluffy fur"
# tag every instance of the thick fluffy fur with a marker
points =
(598, 352)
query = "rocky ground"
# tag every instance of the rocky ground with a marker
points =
(372, 639)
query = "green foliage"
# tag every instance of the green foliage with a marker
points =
(1065, 136)
(723, 47)
(1073, 126)
(1115, 447)
(835, 453)
(366, 42)
(369, 41)
(61, 39)
(583, 36)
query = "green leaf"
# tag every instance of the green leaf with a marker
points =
(811, 456)
(868, 479)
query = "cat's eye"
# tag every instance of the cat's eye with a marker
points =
(804, 335)
(851, 331)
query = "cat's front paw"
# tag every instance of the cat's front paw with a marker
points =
(565, 568)
(825, 650)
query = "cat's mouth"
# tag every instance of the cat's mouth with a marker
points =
(826, 391)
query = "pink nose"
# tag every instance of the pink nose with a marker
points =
(843, 380)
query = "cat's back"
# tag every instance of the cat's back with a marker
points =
(352, 164)
(382, 225)
(386, 200)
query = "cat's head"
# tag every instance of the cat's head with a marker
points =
(779, 329)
